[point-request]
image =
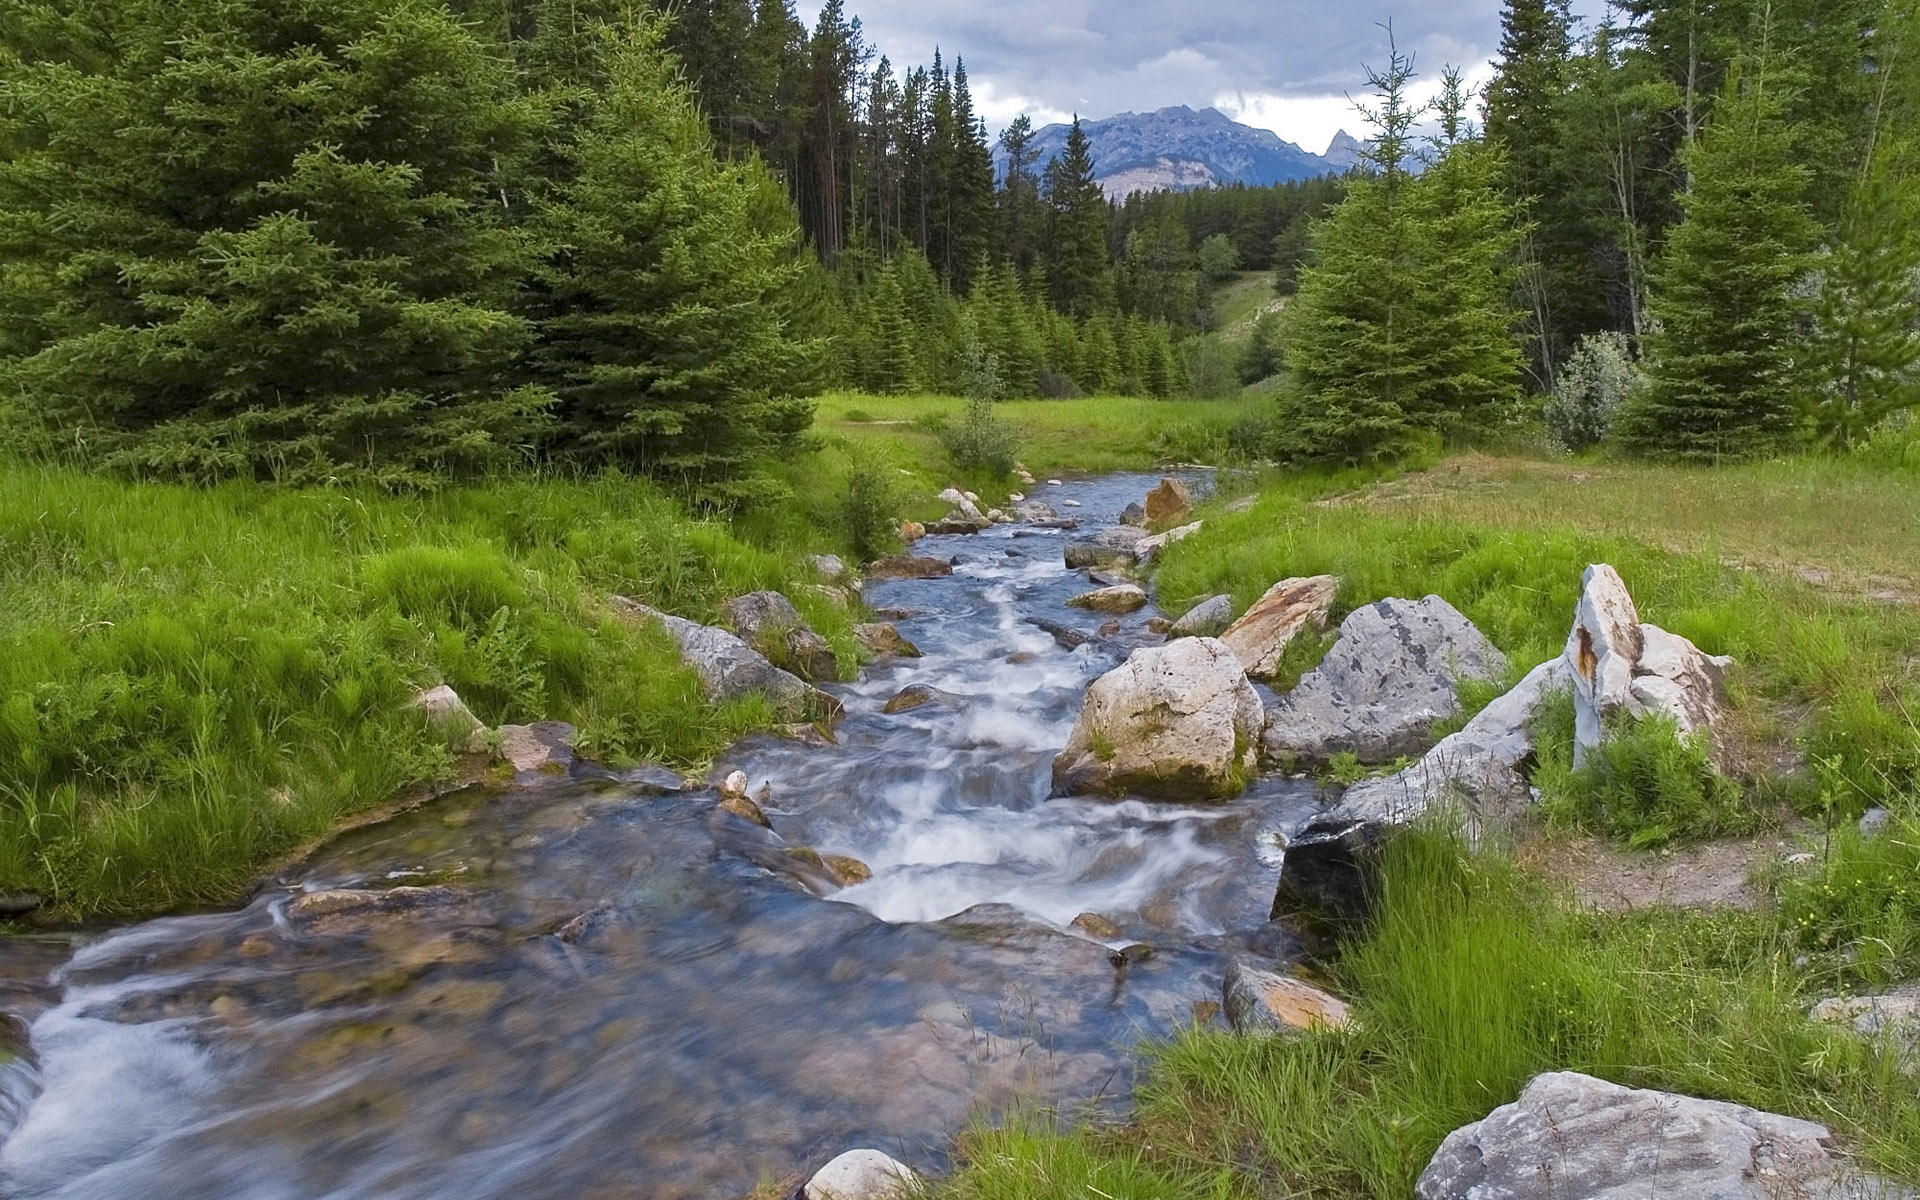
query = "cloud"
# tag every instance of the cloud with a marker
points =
(1286, 65)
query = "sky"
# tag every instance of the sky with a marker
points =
(1284, 65)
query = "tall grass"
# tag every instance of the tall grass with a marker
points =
(1475, 978)
(192, 680)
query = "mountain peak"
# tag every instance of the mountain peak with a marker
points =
(1178, 148)
(1345, 151)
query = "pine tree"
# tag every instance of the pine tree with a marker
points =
(893, 369)
(1463, 333)
(659, 312)
(1352, 328)
(241, 285)
(1019, 199)
(1726, 360)
(1866, 347)
(1076, 257)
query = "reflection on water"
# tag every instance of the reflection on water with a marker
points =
(586, 990)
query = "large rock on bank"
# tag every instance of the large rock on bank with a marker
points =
(1176, 722)
(1169, 504)
(729, 668)
(1263, 633)
(862, 1175)
(770, 623)
(1208, 618)
(1624, 667)
(1574, 1137)
(1395, 671)
(1329, 862)
(1257, 1000)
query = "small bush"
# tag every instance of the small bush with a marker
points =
(980, 375)
(982, 441)
(1646, 786)
(1218, 257)
(858, 416)
(1862, 903)
(868, 502)
(1593, 383)
(1050, 384)
(1260, 358)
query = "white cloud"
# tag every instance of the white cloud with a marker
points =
(1311, 121)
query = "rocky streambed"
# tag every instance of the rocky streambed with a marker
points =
(591, 984)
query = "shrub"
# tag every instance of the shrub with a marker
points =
(982, 441)
(859, 416)
(1646, 786)
(1050, 384)
(1218, 257)
(980, 377)
(1260, 357)
(1595, 381)
(868, 502)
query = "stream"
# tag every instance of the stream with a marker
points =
(602, 988)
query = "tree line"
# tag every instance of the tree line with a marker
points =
(1689, 223)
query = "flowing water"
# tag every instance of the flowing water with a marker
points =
(601, 989)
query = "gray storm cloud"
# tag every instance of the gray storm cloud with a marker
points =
(1277, 63)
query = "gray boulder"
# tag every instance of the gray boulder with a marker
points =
(1395, 670)
(1174, 722)
(1892, 1018)
(1134, 514)
(545, 746)
(1574, 1137)
(729, 668)
(1328, 863)
(1622, 666)
(770, 623)
(1149, 548)
(1110, 547)
(862, 1175)
(1208, 618)
(909, 566)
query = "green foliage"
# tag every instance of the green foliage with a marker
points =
(174, 718)
(1217, 258)
(982, 441)
(1860, 903)
(1725, 360)
(1589, 391)
(1075, 253)
(1403, 324)
(266, 239)
(1261, 356)
(1212, 367)
(1646, 785)
(868, 505)
(658, 311)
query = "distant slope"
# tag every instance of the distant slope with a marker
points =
(1180, 149)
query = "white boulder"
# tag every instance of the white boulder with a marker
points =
(862, 1175)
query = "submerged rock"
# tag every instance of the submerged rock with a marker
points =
(1574, 1137)
(334, 902)
(884, 640)
(734, 799)
(1174, 722)
(1109, 547)
(1208, 618)
(862, 1175)
(1096, 926)
(914, 695)
(1263, 633)
(542, 746)
(1121, 598)
(845, 869)
(1395, 671)
(1168, 504)
(909, 566)
(1260, 1001)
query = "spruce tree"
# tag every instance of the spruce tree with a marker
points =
(1352, 327)
(1076, 254)
(1866, 346)
(659, 309)
(1726, 360)
(1462, 331)
(892, 370)
(271, 241)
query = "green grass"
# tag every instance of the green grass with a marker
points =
(1475, 978)
(196, 680)
(1828, 669)
(1099, 433)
